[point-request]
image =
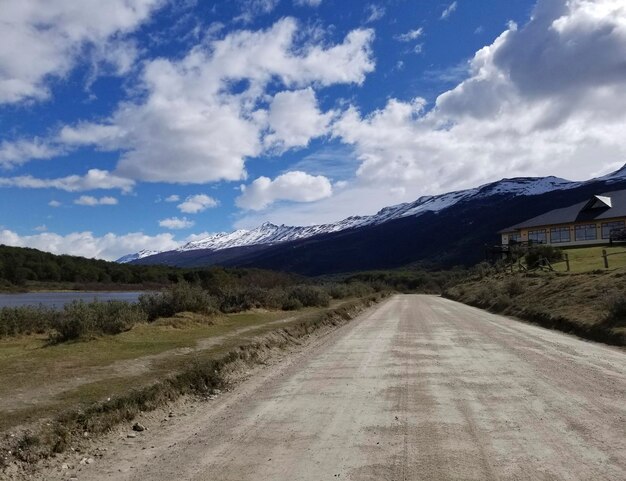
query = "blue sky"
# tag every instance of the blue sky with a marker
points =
(144, 123)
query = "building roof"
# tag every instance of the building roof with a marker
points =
(600, 207)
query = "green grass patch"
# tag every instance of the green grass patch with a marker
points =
(587, 259)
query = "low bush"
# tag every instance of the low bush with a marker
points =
(179, 298)
(309, 296)
(16, 321)
(80, 320)
(616, 307)
(245, 298)
(350, 289)
(535, 256)
(514, 287)
(292, 304)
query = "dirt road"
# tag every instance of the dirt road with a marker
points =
(419, 388)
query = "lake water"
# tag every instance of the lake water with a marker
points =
(59, 299)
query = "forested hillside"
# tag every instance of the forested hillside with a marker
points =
(22, 266)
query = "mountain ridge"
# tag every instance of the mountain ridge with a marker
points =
(269, 234)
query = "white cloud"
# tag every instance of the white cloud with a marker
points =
(40, 39)
(41, 228)
(549, 98)
(374, 12)
(308, 3)
(348, 199)
(91, 201)
(292, 186)
(294, 119)
(450, 9)
(20, 151)
(172, 198)
(255, 8)
(54, 203)
(410, 35)
(109, 247)
(195, 111)
(197, 203)
(94, 179)
(176, 223)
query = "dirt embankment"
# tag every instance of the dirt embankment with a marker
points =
(590, 305)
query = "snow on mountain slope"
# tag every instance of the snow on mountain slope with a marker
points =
(268, 233)
(138, 255)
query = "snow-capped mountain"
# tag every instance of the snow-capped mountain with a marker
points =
(138, 255)
(270, 234)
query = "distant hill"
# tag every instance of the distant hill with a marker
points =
(438, 231)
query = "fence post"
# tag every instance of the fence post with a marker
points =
(567, 261)
(606, 259)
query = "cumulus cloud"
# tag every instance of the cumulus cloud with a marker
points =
(546, 98)
(172, 198)
(294, 119)
(109, 247)
(54, 203)
(91, 201)
(450, 9)
(292, 186)
(94, 179)
(197, 203)
(43, 38)
(206, 110)
(176, 223)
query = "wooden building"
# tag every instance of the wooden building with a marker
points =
(600, 220)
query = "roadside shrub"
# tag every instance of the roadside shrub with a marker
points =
(535, 255)
(486, 294)
(292, 304)
(514, 287)
(344, 290)
(310, 296)
(501, 302)
(482, 270)
(616, 306)
(243, 299)
(80, 320)
(178, 298)
(15, 321)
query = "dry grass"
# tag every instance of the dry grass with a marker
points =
(579, 303)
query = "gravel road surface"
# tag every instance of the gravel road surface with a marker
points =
(418, 388)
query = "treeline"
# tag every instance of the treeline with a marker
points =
(20, 266)
(410, 280)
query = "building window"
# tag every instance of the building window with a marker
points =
(607, 227)
(516, 237)
(586, 232)
(559, 234)
(537, 236)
